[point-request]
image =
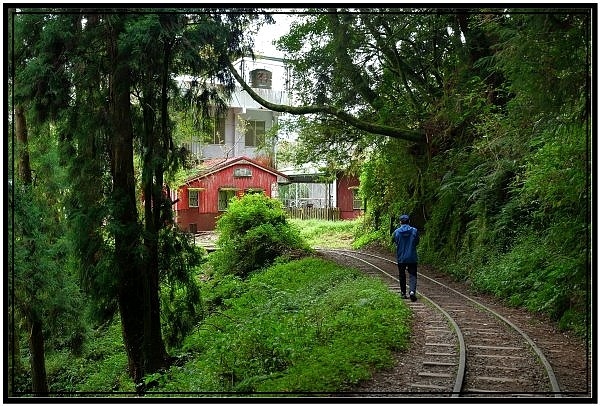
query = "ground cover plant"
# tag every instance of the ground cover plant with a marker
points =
(328, 234)
(101, 366)
(303, 326)
(298, 326)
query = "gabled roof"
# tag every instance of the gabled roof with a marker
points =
(211, 166)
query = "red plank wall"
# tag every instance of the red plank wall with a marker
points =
(345, 197)
(206, 214)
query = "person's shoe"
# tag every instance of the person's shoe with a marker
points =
(413, 297)
(403, 296)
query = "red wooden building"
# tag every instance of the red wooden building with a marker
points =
(205, 196)
(347, 198)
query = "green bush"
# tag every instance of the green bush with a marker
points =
(367, 235)
(302, 326)
(216, 291)
(252, 234)
(535, 276)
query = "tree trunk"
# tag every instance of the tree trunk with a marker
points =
(152, 179)
(127, 247)
(156, 353)
(14, 352)
(23, 166)
(154, 348)
(156, 154)
(153, 343)
(140, 316)
(39, 383)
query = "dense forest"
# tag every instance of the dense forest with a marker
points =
(476, 122)
(485, 116)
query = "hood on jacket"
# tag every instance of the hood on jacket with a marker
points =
(405, 229)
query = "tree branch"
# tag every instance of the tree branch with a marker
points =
(388, 131)
(344, 61)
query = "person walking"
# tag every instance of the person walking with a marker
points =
(406, 239)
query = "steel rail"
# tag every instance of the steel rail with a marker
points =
(461, 371)
(549, 371)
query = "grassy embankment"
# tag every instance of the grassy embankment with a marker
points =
(303, 326)
(327, 234)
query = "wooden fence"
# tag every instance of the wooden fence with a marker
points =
(316, 213)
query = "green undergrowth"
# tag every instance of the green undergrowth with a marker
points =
(328, 234)
(253, 233)
(101, 367)
(303, 326)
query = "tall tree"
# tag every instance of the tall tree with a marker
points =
(495, 94)
(100, 72)
(139, 334)
(39, 285)
(32, 312)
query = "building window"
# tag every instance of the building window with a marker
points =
(254, 190)
(194, 197)
(242, 173)
(357, 203)
(217, 130)
(225, 195)
(255, 133)
(261, 78)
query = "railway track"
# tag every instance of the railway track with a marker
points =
(470, 350)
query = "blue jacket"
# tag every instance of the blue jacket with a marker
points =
(406, 239)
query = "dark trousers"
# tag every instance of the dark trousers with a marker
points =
(412, 275)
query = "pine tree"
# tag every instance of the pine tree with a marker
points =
(105, 78)
(30, 309)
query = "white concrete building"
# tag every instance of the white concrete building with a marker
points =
(246, 128)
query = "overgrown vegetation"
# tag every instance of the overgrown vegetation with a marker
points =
(499, 181)
(107, 116)
(253, 233)
(306, 325)
(479, 128)
(328, 234)
(302, 326)
(297, 326)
